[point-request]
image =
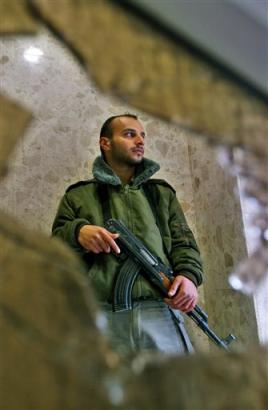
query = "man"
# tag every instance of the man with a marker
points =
(123, 173)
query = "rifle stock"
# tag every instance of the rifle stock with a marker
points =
(137, 258)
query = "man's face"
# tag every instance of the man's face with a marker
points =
(126, 147)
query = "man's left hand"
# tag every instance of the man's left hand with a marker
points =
(182, 294)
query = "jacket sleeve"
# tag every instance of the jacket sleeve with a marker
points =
(66, 224)
(185, 255)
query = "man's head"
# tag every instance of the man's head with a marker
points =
(107, 126)
(122, 140)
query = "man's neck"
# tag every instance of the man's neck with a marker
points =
(124, 172)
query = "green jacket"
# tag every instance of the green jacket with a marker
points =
(80, 205)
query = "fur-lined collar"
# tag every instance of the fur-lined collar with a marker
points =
(104, 173)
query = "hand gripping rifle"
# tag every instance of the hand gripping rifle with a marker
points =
(138, 258)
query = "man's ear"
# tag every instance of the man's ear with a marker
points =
(105, 143)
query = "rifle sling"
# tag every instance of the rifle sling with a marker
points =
(104, 200)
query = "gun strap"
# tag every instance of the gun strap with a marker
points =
(104, 199)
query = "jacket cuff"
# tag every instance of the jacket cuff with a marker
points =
(77, 225)
(190, 276)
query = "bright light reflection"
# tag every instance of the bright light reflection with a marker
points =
(235, 282)
(33, 54)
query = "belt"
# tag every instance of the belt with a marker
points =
(138, 299)
(145, 298)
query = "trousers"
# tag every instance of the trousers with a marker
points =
(149, 326)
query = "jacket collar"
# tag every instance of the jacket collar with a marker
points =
(104, 173)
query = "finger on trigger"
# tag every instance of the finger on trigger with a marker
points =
(115, 247)
(113, 244)
(115, 235)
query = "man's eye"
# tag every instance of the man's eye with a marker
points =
(130, 134)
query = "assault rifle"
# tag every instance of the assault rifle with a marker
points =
(138, 259)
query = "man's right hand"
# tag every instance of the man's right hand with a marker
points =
(96, 239)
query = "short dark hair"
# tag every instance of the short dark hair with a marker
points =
(107, 127)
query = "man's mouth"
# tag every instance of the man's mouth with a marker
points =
(138, 150)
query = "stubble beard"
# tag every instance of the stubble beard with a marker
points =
(126, 160)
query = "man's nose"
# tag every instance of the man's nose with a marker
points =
(139, 140)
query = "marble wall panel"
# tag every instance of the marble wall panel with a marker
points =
(252, 233)
(62, 142)
(261, 307)
(222, 239)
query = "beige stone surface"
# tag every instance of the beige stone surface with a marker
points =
(51, 352)
(219, 382)
(125, 57)
(13, 122)
(16, 18)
